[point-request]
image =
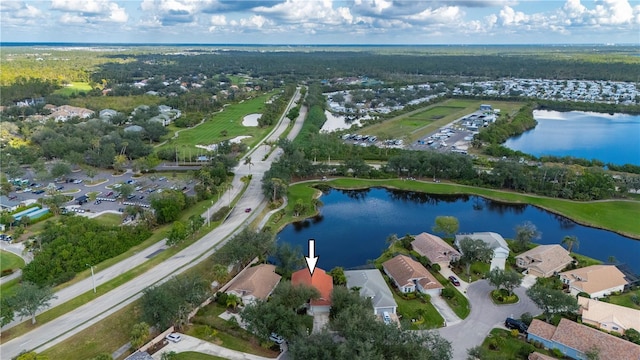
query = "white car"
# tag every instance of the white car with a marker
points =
(276, 338)
(173, 337)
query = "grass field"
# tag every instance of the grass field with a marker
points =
(10, 261)
(500, 344)
(109, 219)
(229, 120)
(73, 88)
(191, 355)
(422, 122)
(124, 104)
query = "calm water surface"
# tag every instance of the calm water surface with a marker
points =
(609, 138)
(353, 225)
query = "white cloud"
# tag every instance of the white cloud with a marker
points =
(508, 16)
(68, 18)
(441, 15)
(218, 20)
(305, 11)
(88, 11)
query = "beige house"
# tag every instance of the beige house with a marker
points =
(608, 317)
(435, 249)
(409, 276)
(254, 283)
(595, 280)
(544, 260)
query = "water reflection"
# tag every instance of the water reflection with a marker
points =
(353, 225)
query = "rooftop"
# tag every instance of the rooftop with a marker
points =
(405, 270)
(320, 280)
(603, 312)
(546, 257)
(595, 278)
(433, 248)
(372, 285)
(257, 281)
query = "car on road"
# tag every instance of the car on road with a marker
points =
(60, 188)
(109, 193)
(247, 210)
(454, 280)
(510, 323)
(173, 337)
(276, 338)
(38, 192)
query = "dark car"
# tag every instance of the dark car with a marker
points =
(454, 280)
(109, 193)
(516, 324)
(38, 192)
(247, 210)
(60, 188)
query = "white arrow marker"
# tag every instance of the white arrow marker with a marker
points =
(312, 259)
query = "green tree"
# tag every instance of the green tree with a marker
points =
(474, 250)
(60, 169)
(178, 233)
(525, 234)
(448, 225)
(298, 208)
(6, 311)
(571, 241)
(288, 259)
(32, 356)
(502, 279)
(31, 298)
(552, 301)
(139, 334)
(339, 278)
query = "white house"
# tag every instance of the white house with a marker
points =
(495, 243)
(595, 280)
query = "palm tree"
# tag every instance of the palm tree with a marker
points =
(391, 239)
(570, 241)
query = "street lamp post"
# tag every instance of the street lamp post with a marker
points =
(93, 278)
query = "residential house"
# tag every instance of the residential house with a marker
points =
(576, 340)
(66, 112)
(595, 280)
(254, 283)
(8, 205)
(371, 285)
(495, 242)
(608, 317)
(320, 280)
(134, 128)
(436, 250)
(544, 260)
(409, 276)
(107, 114)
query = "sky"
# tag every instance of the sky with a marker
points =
(318, 22)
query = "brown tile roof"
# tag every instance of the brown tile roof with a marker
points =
(404, 270)
(584, 338)
(433, 248)
(603, 312)
(546, 258)
(257, 281)
(320, 280)
(541, 329)
(595, 278)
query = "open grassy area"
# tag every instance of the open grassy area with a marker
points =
(109, 219)
(73, 88)
(123, 104)
(625, 299)
(502, 345)
(614, 215)
(213, 130)
(418, 314)
(103, 337)
(419, 123)
(10, 261)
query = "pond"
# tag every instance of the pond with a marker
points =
(353, 225)
(587, 135)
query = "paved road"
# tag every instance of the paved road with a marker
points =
(67, 325)
(485, 315)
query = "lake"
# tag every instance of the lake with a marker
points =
(353, 225)
(609, 138)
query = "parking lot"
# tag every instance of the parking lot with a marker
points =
(105, 187)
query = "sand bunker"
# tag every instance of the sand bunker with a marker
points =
(251, 120)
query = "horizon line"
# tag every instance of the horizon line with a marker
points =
(88, 43)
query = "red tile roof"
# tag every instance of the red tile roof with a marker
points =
(320, 280)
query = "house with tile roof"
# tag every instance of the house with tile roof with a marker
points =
(409, 276)
(608, 317)
(436, 250)
(544, 260)
(576, 340)
(595, 280)
(254, 283)
(371, 285)
(320, 280)
(495, 242)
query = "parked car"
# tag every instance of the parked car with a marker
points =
(60, 188)
(130, 197)
(454, 280)
(173, 337)
(109, 193)
(276, 338)
(247, 210)
(38, 192)
(516, 324)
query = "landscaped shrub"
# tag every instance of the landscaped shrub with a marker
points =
(526, 318)
(436, 267)
(448, 293)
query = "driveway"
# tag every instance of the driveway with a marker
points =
(189, 343)
(464, 286)
(485, 315)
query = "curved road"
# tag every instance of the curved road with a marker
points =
(65, 326)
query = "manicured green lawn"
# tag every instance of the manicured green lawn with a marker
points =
(109, 219)
(502, 345)
(502, 297)
(229, 120)
(124, 104)
(192, 355)
(425, 315)
(73, 88)
(10, 261)
(625, 299)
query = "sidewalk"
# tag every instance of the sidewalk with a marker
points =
(189, 343)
